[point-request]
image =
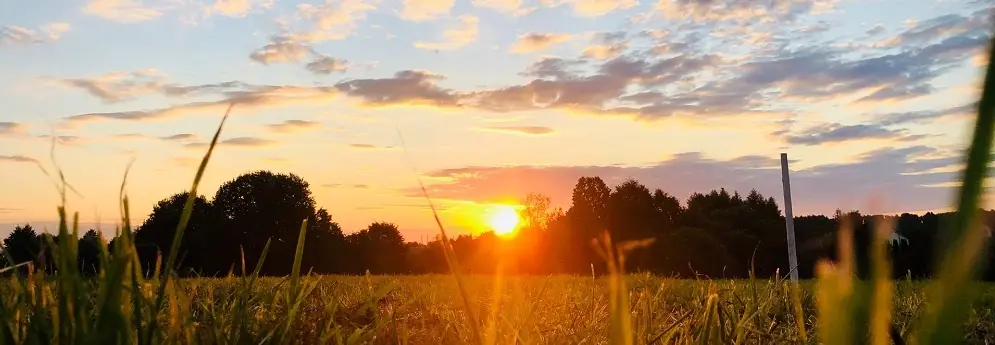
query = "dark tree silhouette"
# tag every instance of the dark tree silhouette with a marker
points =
(261, 206)
(23, 245)
(89, 252)
(155, 236)
(380, 247)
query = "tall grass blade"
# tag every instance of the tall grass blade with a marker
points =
(961, 244)
(181, 227)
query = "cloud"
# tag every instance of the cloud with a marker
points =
(945, 26)
(115, 87)
(333, 20)
(326, 65)
(901, 174)
(924, 116)
(534, 42)
(360, 186)
(605, 92)
(552, 67)
(281, 50)
(834, 133)
(877, 29)
(13, 34)
(235, 142)
(369, 147)
(527, 130)
(247, 141)
(68, 140)
(238, 8)
(122, 11)
(247, 97)
(740, 11)
(605, 52)
(17, 159)
(423, 10)
(455, 37)
(7, 127)
(291, 126)
(406, 87)
(180, 137)
(594, 8)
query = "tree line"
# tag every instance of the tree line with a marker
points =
(716, 235)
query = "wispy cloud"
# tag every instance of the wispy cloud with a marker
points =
(120, 86)
(281, 50)
(369, 147)
(327, 65)
(423, 10)
(180, 137)
(463, 33)
(239, 8)
(534, 42)
(68, 140)
(595, 8)
(291, 126)
(7, 128)
(235, 142)
(333, 20)
(526, 130)
(248, 97)
(405, 87)
(834, 133)
(123, 11)
(13, 34)
(17, 159)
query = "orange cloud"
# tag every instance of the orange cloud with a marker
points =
(526, 130)
(423, 10)
(17, 159)
(290, 126)
(534, 42)
(123, 11)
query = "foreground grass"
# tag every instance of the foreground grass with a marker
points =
(532, 310)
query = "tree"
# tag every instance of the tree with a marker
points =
(261, 206)
(590, 204)
(89, 252)
(23, 244)
(155, 236)
(381, 248)
(537, 212)
(325, 248)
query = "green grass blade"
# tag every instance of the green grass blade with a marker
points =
(181, 227)
(962, 244)
(295, 273)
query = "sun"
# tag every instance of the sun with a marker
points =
(503, 219)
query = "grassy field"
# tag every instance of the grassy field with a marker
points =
(522, 310)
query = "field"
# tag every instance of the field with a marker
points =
(526, 310)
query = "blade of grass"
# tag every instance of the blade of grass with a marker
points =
(962, 244)
(181, 227)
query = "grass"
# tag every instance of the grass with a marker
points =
(119, 306)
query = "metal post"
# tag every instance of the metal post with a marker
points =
(789, 220)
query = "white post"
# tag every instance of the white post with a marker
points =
(789, 220)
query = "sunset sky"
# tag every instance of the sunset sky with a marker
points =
(493, 99)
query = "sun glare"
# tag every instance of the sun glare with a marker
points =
(503, 220)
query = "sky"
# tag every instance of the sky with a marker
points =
(485, 101)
